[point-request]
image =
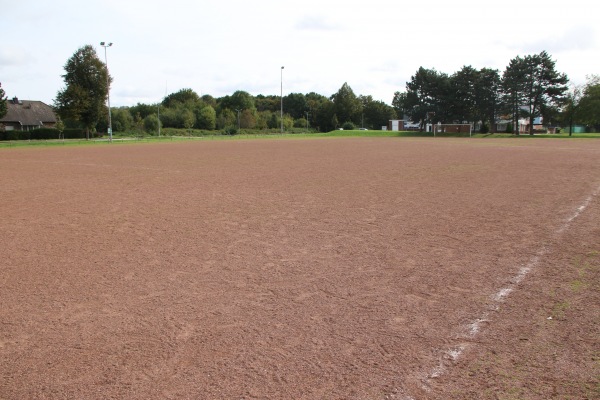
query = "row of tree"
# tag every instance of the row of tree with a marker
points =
(185, 109)
(529, 87)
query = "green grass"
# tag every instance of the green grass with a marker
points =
(271, 135)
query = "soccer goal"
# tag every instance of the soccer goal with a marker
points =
(441, 129)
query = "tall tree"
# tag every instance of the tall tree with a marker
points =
(87, 84)
(206, 118)
(182, 96)
(544, 86)
(376, 113)
(399, 104)
(513, 88)
(3, 106)
(346, 105)
(427, 96)
(462, 94)
(295, 104)
(590, 102)
(239, 100)
(487, 97)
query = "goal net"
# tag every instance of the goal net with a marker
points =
(449, 129)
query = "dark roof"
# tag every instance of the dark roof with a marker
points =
(28, 112)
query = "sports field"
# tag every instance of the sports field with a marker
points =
(338, 268)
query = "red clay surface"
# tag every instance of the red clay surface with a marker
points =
(349, 268)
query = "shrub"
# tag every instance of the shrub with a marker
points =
(44, 133)
(151, 124)
(348, 126)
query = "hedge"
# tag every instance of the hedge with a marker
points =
(44, 134)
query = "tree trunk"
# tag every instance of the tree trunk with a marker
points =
(531, 124)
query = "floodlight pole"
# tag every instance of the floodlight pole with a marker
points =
(281, 99)
(238, 113)
(105, 45)
(306, 112)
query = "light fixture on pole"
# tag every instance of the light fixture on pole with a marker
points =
(281, 99)
(105, 45)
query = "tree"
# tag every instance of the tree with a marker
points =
(151, 123)
(346, 105)
(487, 97)
(295, 104)
(122, 119)
(248, 119)
(239, 100)
(513, 86)
(143, 109)
(376, 113)
(206, 118)
(399, 104)
(590, 102)
(544, 86)
(427, 96)
(3, 106)
(533, 84)
(87, 84)
(463, 94)
(181, 97)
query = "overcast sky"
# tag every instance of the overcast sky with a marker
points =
(218, 47)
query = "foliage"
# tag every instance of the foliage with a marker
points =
(462, 86)
(348, 126)
(239, 100)
(513, 85)
(43, 134)
(87, 84)
(590, 102)
(181, 97)
(122, 119)
(542, 85)
(151, 124)
(468, 95)
(487, 97)
(426, 96)
(346, 105)
(3, 105)
(206, 118)
(142, 109)
(295, 104)
(375, 114)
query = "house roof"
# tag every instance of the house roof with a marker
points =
(28, 112)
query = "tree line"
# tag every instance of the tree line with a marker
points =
(185, 109)
(529, 87)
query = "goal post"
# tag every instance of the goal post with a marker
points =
(452, 128)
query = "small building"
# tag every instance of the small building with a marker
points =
(395, 125)
(26, 115)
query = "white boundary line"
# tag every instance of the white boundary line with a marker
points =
(449, 356)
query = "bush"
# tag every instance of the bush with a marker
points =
(348, 126)
(44, 133)
(151, 124)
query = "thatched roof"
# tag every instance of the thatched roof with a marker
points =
(28, 112)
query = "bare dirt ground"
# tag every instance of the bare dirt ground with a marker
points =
(347, 268)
